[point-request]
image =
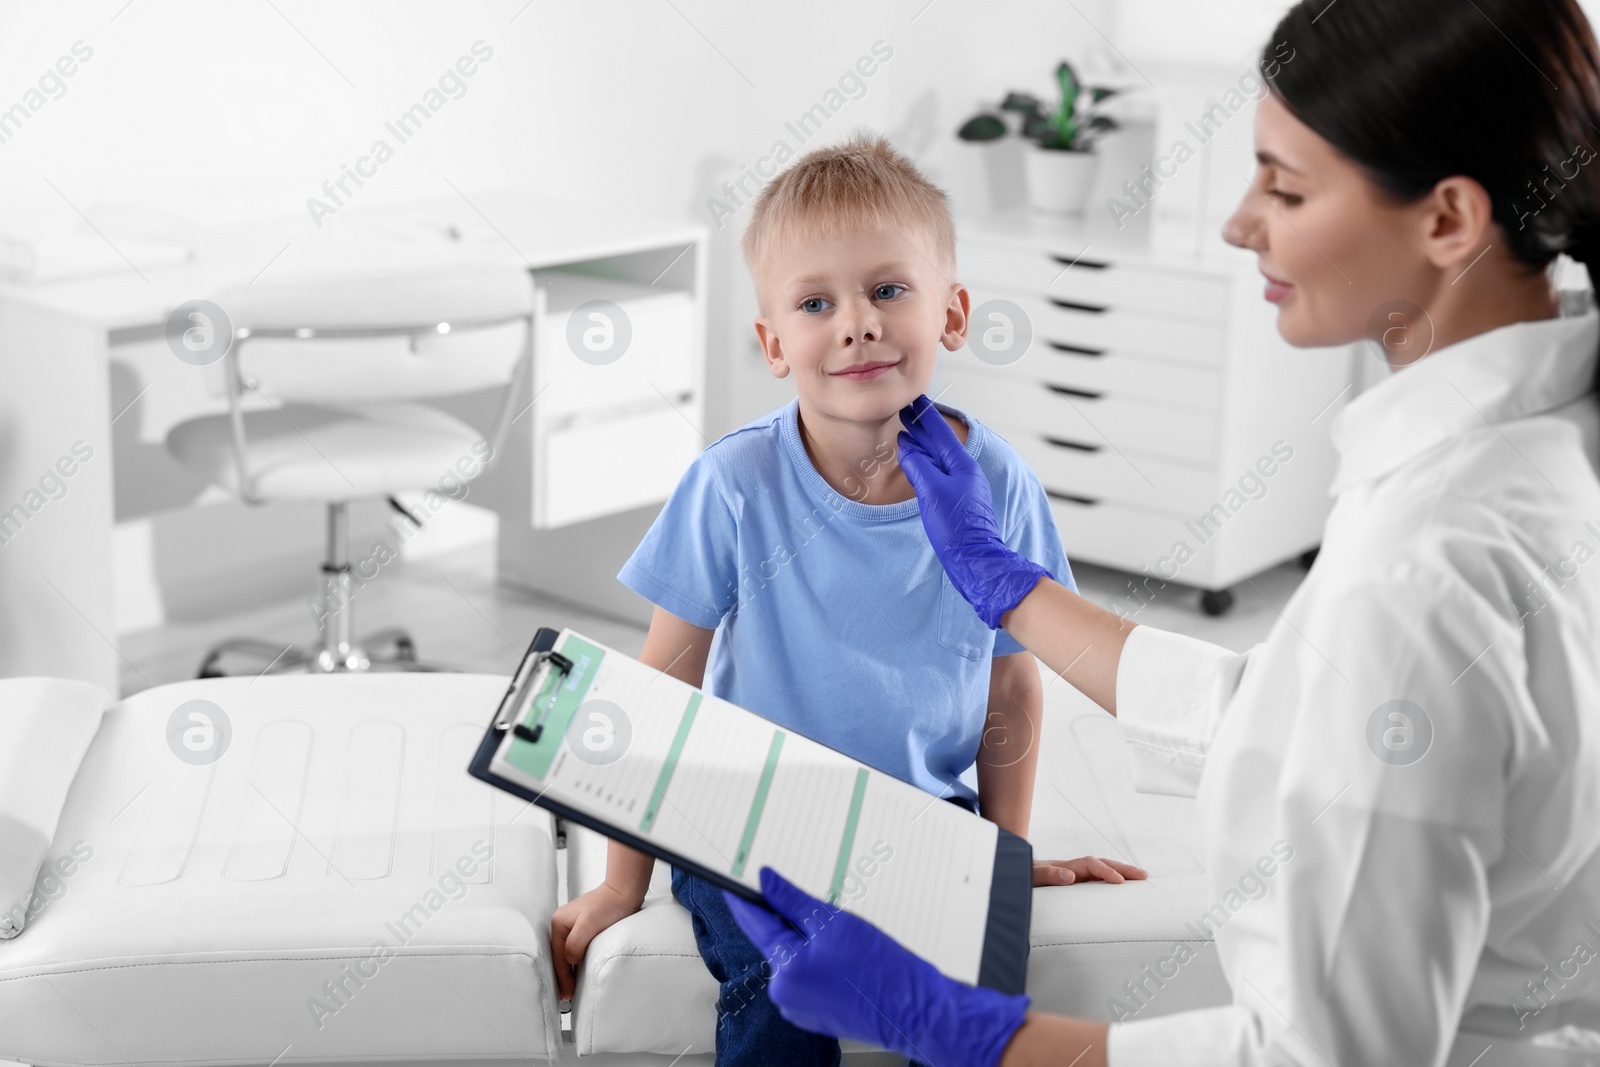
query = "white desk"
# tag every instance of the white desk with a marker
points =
(56, 337)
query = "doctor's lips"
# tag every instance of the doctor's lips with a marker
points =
(866, 372)
(1276, 290)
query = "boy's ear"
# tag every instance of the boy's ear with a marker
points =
(771, 348)
(957, 316)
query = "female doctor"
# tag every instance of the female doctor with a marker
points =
(1422, 723)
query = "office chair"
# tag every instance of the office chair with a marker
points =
(321, 382)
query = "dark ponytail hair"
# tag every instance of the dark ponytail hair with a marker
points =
(1506, 92)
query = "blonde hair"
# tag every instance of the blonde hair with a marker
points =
(862, 183)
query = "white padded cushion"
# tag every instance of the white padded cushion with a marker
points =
(644, 988)
(46, 725)
(215, 901)
(325, 454)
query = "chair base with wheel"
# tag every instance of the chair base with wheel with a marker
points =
(391, 649)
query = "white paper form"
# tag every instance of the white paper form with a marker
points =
(724, 788)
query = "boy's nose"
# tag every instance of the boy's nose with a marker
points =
(861, 326)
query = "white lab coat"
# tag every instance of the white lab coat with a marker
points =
(1435, 907)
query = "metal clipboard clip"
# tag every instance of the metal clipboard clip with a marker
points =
(530, 677)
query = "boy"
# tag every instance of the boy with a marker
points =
(797, 543)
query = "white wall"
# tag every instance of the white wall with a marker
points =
(191, 114)
(1221, 31)
(1225, 32)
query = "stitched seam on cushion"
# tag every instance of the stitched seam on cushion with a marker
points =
(1124, 941)
(263, 959)
(548, 996)
(331, 1059)
(404, 1058)
(605, 965)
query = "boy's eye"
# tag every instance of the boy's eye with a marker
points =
(806, 304)
(887, 285)
(1289, 199)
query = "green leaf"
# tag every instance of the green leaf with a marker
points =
(1065, 118)
(1067, 76)
(1067, 133)
(982, 128)
(1068, 80)
(1036, 127)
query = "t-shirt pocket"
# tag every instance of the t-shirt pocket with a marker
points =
(960, 629)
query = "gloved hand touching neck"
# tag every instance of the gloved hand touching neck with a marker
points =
(958, 514)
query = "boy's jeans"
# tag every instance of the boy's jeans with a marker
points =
(750, 1032)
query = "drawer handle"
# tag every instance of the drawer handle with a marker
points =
(1073, 305)
(1091, 264)
(1061, 442)
(1064, 390)
(1071, 498)
(1077, 350)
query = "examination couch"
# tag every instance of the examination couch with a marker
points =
(307, 874)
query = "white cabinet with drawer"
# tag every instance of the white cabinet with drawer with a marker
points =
(1179, 436)
(612, 464)
(597, 443)
(1094, 420)
(575, 373)
(614, 370)
(1095, 280)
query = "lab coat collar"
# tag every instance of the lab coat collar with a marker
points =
(1508, 373)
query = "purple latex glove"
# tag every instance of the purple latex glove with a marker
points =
(844, 977)
(958, 514)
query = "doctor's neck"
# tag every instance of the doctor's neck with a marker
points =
(1494, 291)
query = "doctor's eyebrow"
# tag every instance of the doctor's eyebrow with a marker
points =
(1273, 161)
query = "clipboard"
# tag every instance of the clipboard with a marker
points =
(1003, 962)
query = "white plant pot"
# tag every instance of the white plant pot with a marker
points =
(988, 175)
(1059, 181)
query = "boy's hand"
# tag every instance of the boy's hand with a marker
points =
(575, 924)
(1083, 869)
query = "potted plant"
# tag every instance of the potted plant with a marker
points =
(1060, 159)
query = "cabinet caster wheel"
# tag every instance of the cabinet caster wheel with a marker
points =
(1308, 557)
(1216, 602)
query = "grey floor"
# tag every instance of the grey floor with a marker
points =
(459, 615)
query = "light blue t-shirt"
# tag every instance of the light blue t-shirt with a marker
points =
(834, 618)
